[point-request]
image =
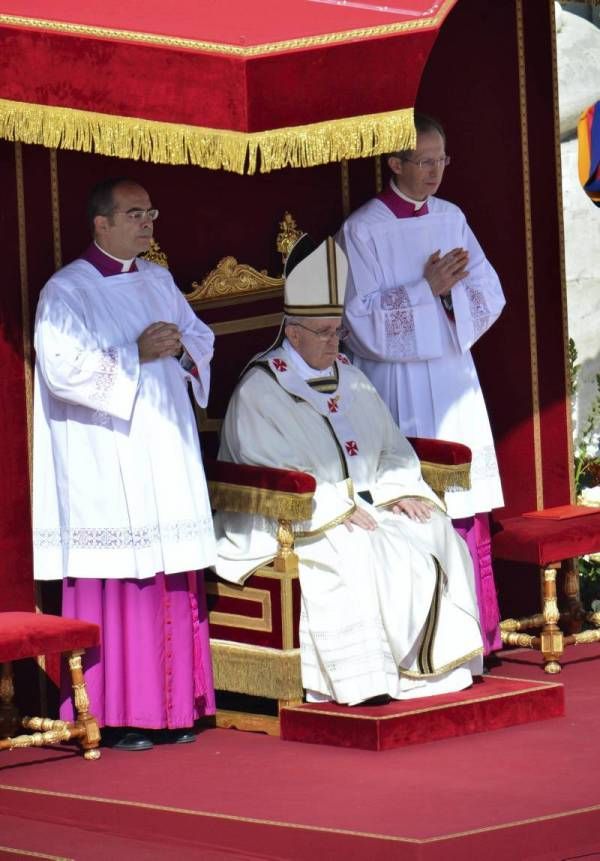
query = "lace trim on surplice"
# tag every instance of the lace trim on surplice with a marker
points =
(104, 380)
(119, 538)
(399, 323)
(480, 312)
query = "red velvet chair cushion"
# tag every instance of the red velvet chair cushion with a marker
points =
(263, 477)
(527, 539)
(26, 635)
(440, 451)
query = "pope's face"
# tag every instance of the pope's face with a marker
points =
(119, 233)
(317, 340)
(413, 180)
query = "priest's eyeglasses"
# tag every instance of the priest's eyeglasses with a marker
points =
(139, 215)
(325, 335)
(429, 163)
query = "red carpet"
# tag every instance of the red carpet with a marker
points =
(528, 793)
(495, 702)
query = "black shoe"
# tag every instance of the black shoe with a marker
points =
(129, 741)
(379, 700)
(175, 736)
(491, 661)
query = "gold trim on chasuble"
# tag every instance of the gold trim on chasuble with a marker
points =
(425, 656)
(533, 347)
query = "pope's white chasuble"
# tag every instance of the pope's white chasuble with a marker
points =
(386, 611)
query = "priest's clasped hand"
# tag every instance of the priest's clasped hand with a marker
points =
(158, 341)
(416, 509)
(443, 273)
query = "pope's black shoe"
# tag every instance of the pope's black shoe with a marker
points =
(126, 740)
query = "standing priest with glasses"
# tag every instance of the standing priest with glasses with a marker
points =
(388, 599)
(421, 293)
(120, 506)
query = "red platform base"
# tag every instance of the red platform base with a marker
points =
(494, 702)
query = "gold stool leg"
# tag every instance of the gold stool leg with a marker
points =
(576, 612)
(91, 738)
(551, 638)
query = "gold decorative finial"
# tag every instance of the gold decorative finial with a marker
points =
(155, 255)
(288, 235)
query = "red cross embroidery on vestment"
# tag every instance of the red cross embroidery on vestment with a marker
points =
(332, 403)
(279, 365)
(351, 447)
(343, 359)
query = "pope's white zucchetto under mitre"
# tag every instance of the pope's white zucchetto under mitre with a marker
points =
(315, 278)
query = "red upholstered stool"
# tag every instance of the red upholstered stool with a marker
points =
(27, 635)
(551, 539)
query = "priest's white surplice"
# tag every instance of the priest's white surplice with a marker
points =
(103, 420)
(415, 353)
(391, 611)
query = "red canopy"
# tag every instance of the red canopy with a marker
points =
(230, 85)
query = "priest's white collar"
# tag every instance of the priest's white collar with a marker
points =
(304, 370)
(125, 264)
(416, 203)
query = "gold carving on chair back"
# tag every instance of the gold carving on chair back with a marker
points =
(155, 255)
(231, 280)
(288, 235)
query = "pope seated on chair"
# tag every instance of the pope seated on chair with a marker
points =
(388, 597)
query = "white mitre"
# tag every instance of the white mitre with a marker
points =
(315, 279)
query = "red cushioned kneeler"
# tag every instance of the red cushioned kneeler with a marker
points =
(27, 635)
(551, 544)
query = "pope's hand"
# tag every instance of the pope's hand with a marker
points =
(443, 273)
(159, 340)
(361, 518)
(416, 509)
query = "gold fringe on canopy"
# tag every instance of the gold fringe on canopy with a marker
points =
(256, 670)
(254, 500)
(441, 477)
(216, 149)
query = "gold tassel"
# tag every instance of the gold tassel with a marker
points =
(216, 149)
(256, 670)
(441, 477)
(254, 500)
